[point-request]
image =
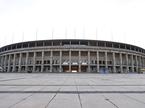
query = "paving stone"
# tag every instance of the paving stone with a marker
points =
(52, 90)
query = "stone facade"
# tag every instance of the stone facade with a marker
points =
(72, 56)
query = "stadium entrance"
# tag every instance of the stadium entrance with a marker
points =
(75, 69)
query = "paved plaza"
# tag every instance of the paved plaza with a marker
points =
(71, 90)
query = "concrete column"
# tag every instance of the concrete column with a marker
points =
(9, 59)
(143, 62)
(70, 61)
(26, 62)
(121, 69)
(114, 63)
(89, 61)
(51, 58)
(106, 59)
(42, 61)
(34, 61)
(5, 62)
(20, 59)
(14, 65)
(132, 63)
(60, 61)
(127, 63)
(136, 59)
(139, 62)
(79, 61)
(0, 60)
(98, 62)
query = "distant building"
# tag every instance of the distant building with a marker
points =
(72, 56)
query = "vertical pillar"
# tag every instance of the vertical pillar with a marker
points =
(69, 60)
(60, 61)
(89, 61)
(9, 59)
(26, 62)
(20, 58)
(51, 58)
(106, 59)
(143, 62)
(5, 60)
(132, 63)
(98, 62)
(79, 61)
(127, 69)
(42, 61)
(136, 59)
(34, 61)
(0, 60)
(14, 65)
(121, 69)
(139, 63)
(114, 63)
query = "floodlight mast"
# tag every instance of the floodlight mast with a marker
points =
(52, 33)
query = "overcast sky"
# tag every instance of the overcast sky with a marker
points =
(112, 20)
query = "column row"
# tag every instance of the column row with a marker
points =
(68, 61)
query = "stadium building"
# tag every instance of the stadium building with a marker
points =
(72, 56)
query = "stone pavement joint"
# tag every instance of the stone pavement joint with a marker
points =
(11, 79)
(111, 102)
(52, 98)
(22, 90)
(75, 92)
(20, 101)
(78, 94)
(135, 99)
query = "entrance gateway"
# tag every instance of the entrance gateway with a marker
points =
(74, 69)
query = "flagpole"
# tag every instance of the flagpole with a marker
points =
(52, 34)
(36, 34)
(75, 33)
(84, 32)
(12, 37)
(23, 37)
(96, 34)
(65, 33)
